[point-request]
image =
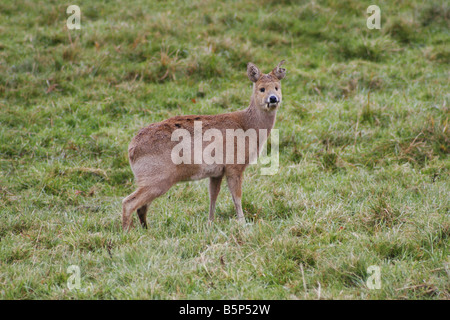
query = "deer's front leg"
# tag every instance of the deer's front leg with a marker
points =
(235, 185)
(214, 189)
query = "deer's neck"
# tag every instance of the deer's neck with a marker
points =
(255, 118)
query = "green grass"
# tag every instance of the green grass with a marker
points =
(364, 143)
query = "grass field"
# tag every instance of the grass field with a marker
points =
(364, 150)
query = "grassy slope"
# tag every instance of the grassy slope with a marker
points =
(364, 176)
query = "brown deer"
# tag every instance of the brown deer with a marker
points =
(151, 150)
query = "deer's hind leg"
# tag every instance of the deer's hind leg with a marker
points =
(140, 200)
(142, 214)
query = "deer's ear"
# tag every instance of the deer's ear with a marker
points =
(253, 72)
(279, 72)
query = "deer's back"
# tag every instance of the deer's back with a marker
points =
(150, 150)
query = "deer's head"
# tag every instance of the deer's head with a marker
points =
(266, 87)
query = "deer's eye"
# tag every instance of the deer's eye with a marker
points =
(276, 88)
(262, 89)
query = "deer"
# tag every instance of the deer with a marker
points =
(150, 152)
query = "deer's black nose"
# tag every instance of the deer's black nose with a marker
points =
(273, 99)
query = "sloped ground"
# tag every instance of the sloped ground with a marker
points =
(364, 150)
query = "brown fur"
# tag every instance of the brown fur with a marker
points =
(150, 150)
